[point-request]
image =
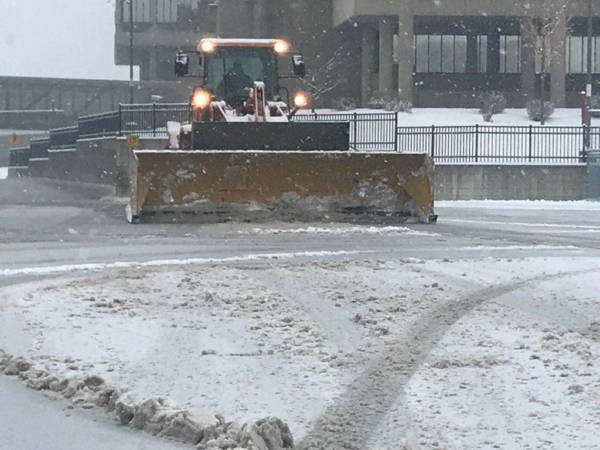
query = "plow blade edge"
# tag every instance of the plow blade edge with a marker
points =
(220, 186)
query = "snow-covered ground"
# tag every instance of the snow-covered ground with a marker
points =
(458, 116)
(539, 205)
(3, 173)
(453, 353)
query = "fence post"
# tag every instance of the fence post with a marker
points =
(355, 130)
(476, 142)
(530, 143)
(396, 132)
(587, 142)
(432, 141)
(153, 119)
(120, 119)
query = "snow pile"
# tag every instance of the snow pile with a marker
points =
(155, 416)
(355, 230)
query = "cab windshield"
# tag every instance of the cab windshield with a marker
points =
(231, 72)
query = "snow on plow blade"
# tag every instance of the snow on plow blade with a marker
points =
(219, 186)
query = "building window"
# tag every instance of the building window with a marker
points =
(141, 11)
(173, 11)
(577, 55)
(482, 49)
(167, 11)
(510, 54)
(440, 54)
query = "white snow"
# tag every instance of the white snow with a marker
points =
(420, 117)
(341, 230)
(561, 227)
(522, 204)
(3, 173)
(172, 262)
(290, 337)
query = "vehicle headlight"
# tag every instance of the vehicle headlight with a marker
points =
(300, 100)
(207, 46)
(281, 47)
(201, 99)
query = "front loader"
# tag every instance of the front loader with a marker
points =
(242, 157)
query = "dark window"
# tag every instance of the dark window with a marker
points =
(231, 71)
(577, 54)
(510, 54)
(441, 54)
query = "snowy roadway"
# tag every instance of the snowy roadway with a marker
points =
(476, 333)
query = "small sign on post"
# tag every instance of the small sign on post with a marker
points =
(14, 140)
(133, 141)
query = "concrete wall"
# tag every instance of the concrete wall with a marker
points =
(84, 97)
(97, 161)
(507, 182)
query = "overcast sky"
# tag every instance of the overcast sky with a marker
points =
(58, 38)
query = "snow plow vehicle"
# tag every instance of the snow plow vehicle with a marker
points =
(243, 157)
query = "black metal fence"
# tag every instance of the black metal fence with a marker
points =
(63, 138)
(377, 132)
(499, 144)
(151, 120)
(19, 157)
(367, 131)
(99, 125)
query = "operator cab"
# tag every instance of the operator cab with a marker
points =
(232, 66)
(230, 72)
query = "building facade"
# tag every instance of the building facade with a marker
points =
(428, 52)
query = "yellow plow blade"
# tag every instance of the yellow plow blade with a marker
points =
(220, 186)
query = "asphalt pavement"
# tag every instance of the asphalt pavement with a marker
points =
(65, 227)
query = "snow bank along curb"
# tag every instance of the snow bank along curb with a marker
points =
(155, 416)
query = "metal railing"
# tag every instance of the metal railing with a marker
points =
(498, 144)
(375, 131)
(39, 147)
(64, 138)
(19, 157)
(150, 120)
(99, 125)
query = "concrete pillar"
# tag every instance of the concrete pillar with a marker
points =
(153, 64)
(234, 19)
(260, 19)
(153, 11)
(406, 56)
(472, 54)
(493, 56)
(558, 65)
(386, 56)
(528, 74)
(369, 38)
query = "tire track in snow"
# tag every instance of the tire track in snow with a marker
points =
(351, 422)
